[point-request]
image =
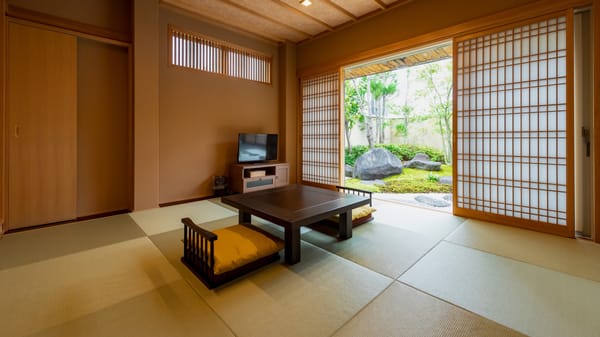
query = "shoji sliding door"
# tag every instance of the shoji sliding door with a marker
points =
(320, 133)
(514, 120)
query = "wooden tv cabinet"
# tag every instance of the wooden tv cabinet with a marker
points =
(255, 177)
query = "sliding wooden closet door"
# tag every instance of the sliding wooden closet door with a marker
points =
(321, 150)
(42, 124)
(514, 125)
(103, 133)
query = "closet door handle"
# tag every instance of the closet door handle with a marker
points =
(17, 131)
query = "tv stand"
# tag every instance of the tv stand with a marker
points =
(255, 177)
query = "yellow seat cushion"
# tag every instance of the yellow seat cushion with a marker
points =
(238, 245)
(360, 212)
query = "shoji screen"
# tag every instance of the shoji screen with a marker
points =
(513, 120)
(321, 129)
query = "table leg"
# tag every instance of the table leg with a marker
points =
(292, 244)
(345, 230)
(244, 217)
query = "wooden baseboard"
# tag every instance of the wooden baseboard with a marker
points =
(83, 218)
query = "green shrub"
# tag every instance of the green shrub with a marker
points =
(416, 186)
(354, 153)
(433, 177)
(404, 152)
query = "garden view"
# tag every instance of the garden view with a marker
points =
(407, 111)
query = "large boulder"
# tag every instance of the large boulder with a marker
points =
(377, 164)
(348, 170)
(422, 161)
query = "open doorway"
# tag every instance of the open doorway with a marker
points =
(398, 127)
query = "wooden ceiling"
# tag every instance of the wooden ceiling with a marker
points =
(286, 20)
(393, 62)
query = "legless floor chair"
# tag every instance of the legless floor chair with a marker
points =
(362, 214)
(225, 254)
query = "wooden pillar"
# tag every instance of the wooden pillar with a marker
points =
(2, 116)
(146, 90)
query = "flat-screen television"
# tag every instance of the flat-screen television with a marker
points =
(256, 147)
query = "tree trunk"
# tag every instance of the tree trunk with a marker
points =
(347, 129)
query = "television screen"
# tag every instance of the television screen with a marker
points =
(256, 147)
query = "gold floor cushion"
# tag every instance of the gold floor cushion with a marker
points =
(238, 245)
(360, 212)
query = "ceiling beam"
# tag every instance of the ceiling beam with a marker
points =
(341, 9)
(381, 4)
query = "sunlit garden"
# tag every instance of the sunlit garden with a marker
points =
(407, 113)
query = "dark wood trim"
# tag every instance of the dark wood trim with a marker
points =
(58, 22)
(82, 218)
(185, 201)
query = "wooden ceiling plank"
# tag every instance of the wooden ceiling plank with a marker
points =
(268, 18)
(274, 39)
(297, 11)
(341, 9)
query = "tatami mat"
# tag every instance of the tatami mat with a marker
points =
(528, 298)
(49, 242)
(104, 277)
(385, 249)
(572, 256)
(403, 311)
(312, 298)
(44, 294)
(433, 224)
(169, 310)
(164, 219)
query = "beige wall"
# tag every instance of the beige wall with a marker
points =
(413, 19)
(288, 96)
(145, 98)
(202, 113)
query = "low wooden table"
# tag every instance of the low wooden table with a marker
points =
(293, 206)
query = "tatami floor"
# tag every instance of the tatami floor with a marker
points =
(410, 272)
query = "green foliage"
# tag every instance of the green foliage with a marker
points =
(354, 100)
(355, 183)
(406, 152)
(409, 181)
(433, 177)
(416, 186)
(355, 152)
(401, 130)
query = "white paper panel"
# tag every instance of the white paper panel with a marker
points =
(512, 119)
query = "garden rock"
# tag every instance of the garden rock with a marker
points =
(373, 182)
(377, 164)
(447, 180)
(348, 170)
(422, 161)
(431, 201)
